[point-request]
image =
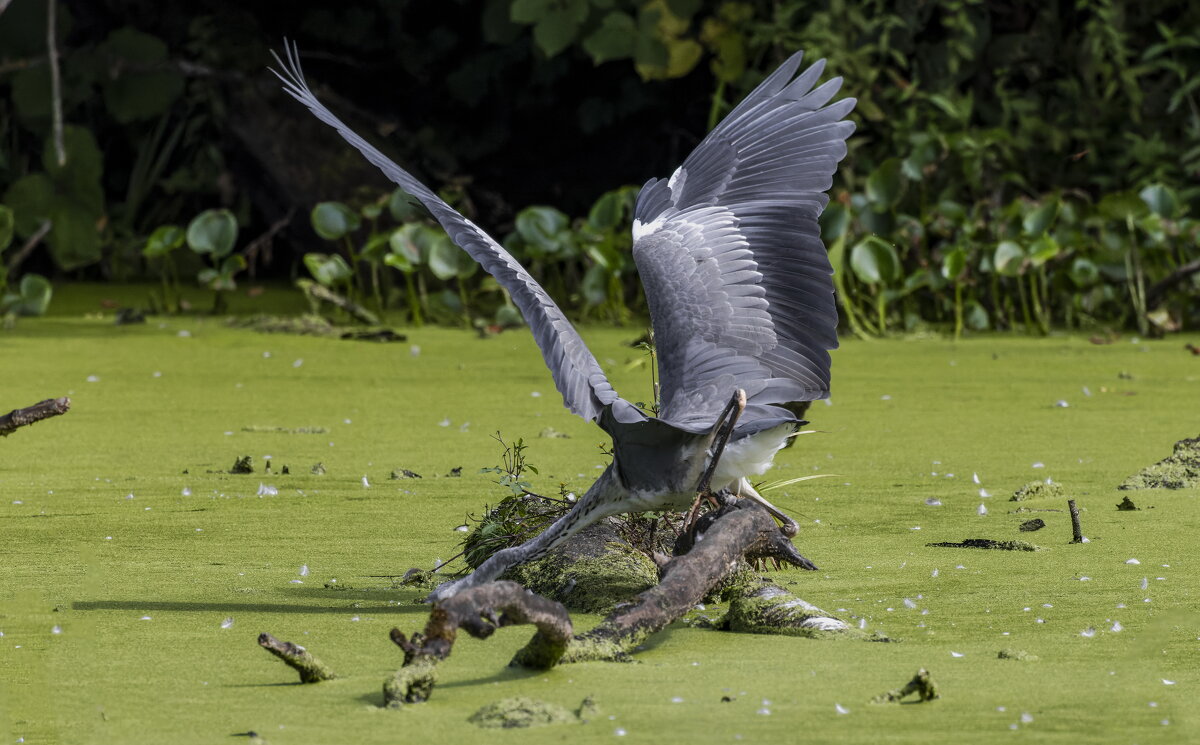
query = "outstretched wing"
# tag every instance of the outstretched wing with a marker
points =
(729, 251)
(577, 375)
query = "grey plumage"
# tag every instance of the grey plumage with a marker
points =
(738, 284)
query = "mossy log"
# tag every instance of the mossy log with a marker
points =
(921, 684)
(1180, 470)
(298, 658)
(17, 418)
(761, 607)
(592, 572)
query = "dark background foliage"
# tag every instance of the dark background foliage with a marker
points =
(979, 105)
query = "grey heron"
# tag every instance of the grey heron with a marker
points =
(740, 293)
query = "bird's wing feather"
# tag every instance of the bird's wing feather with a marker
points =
(730, 253)
(577, 375)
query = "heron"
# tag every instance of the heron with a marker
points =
(739, 288)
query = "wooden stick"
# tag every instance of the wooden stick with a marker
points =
(479, 611)
(1078, 532)
(298, 658)
(30, 414)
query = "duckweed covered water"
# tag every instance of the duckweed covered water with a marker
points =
(137, 572)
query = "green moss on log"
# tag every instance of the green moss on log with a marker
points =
(593, 584)
(1037, 490)
(1180, 470)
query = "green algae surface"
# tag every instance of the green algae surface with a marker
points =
(137, 571)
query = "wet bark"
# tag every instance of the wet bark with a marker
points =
(11, 421)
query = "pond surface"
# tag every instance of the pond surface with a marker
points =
(138, 571)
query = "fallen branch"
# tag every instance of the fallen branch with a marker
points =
(479, 611)
(36, 413)
(739, 531)
(298, 658)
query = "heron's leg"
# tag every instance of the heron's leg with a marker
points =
(790, 527)
(721, 433)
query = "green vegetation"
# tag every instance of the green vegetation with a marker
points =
(141, 597)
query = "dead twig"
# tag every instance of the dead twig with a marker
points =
(298, 658)
(1075, 529)
(30, 414)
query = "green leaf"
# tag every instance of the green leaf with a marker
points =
(372, 211)
(212, 232)
(976, 316)
(541, 228)
(74, 240)
(1043, 250)
(137, 83)
(404, 207)
(163, 241)
(334, 220)
(875, 261)
(375, 247)
(614, 39)
(1084, 272)
(1039, 219)
(885, 185)
(834, 221)
(607, 212)
(1121, 206)
(233, 264)
(529, 11)
(1009, 258)
(560, 25)
(448, 261)
(7, 224)
(405, 250)
(1161, 200)
(509, 317)
(953, 264)
(31, 198)
(398, 261)
(31, 92)
(79, 177)
(329, 270)
(595, 286)
(35, 294)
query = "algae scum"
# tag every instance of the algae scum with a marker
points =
(139, 572)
